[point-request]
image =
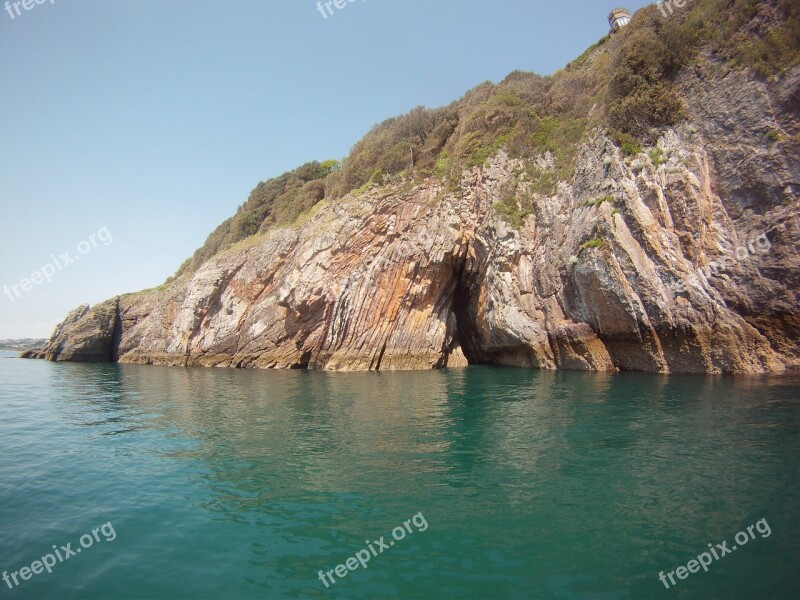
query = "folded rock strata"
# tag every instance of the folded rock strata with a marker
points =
(686, 265)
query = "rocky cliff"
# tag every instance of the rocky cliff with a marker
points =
(680, 256)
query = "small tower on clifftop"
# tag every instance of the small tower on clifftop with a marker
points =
(619, 17)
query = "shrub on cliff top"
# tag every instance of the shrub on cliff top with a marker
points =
(642, 97)
(275, 202)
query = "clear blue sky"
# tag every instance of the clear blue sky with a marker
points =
(155, 119)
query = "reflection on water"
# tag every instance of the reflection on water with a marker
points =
(535, 484)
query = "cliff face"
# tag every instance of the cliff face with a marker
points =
(683, 258)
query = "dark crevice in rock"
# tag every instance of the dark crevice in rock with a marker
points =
(465, 309)
(380, 357)
(116, 336)
(303, 362)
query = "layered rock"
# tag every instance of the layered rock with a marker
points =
(684, 259)
(84, 336)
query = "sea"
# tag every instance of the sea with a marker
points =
(143, 482)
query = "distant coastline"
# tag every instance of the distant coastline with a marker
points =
(22, 344)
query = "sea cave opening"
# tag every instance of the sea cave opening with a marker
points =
(465, 308)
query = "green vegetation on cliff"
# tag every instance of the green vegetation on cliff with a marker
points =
(625, 84)
(278, 201)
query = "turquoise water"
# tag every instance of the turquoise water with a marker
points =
(245, 484)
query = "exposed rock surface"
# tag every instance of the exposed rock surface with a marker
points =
(84, 336)
(680, 260)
